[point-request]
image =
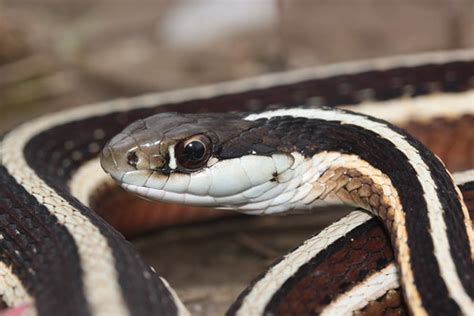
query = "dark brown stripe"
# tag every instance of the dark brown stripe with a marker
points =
(333, 271)
(391, 303)
(377, 307)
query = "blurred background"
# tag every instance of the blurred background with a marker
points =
(62, 53)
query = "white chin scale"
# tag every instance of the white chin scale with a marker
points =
(251, 184)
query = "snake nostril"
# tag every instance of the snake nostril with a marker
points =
(132, 158)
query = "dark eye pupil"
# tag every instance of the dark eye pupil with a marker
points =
(195, 150)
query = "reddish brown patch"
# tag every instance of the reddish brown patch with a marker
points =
(132, 215)
(333, 272)
(451, 139)
(390, 304)
(341, 270)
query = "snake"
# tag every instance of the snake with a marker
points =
(279, 143)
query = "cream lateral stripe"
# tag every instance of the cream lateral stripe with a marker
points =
(29, 312)
(12, 291)
(87, 179)
(462, 177)
(419, 109)
(102, 291)
(319, 72)
(435, 210)
(84, 184)
(256, 301)
(181, 309)
(373, 287)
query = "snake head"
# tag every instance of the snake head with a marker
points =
(218, 160)
(156, 144)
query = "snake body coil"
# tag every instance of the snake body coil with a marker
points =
(61, 257)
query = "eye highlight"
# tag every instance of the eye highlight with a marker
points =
(194, 152)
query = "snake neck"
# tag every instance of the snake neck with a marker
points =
(347, 179)
(347, 158)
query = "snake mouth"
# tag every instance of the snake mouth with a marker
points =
(169, 196)
(124, 156)
(247, 184)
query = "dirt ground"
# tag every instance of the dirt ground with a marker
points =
(56, 54)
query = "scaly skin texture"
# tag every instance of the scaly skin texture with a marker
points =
(41, 156)
(323, 150)
(137, 216)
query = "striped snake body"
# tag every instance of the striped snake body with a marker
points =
(61, 257)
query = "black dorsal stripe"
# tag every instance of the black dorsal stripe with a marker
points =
(143, 290)
(321, 135)
(453, 215)
(455, 224)
(42, 252)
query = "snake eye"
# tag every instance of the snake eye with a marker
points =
(194, 152)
